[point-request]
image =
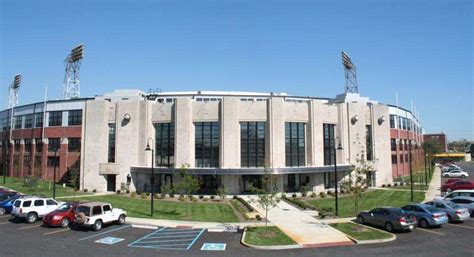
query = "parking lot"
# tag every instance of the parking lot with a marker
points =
(21, 239)
(467, 167)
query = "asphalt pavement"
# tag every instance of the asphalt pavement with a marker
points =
(21, 239)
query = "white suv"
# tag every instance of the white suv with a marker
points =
(95, 214)
(33, 208)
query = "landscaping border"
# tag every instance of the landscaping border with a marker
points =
(263, 247)
(372, 241)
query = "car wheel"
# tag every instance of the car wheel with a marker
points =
(31, 218)
(450, 219)
(424, 223)
(2, 211)
(463, 176)
(360, 219)
(446, 176)
(97, 225)
(389, 227)
(64, 223)
(121, 219)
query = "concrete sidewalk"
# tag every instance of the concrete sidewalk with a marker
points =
(193, 224)
(305, 230)
(434, 189)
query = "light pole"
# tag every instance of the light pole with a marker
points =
(54, 172)
(339, 147)
(426, 171)
(5, 162)
(152, 178)
(411, 173)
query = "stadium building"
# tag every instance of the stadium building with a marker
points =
(224, 138)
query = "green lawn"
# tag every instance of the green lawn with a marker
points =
(369, 200)
(415, 187)
(136, 207)
(267, 236)
(360, 232)
(43, 188)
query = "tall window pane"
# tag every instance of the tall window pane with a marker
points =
(75, 117)
(164, 144)
(368, 142)
(111, 150)
(55, 118)
(329, 144)
(294, 144)
(207, 136)
(252, 144)
(39, 120)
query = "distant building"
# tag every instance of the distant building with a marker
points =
(441, 138)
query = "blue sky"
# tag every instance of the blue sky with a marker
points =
(422, 49)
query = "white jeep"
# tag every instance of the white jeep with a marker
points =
(95, 214)
(33, 208)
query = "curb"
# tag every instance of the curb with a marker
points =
(262, 247)
(372, 241)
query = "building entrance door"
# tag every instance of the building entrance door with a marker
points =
(111, 183)
(291, 183)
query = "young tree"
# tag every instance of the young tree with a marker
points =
(188, 185)
(74, 181)
(267, 195)
(222, 192)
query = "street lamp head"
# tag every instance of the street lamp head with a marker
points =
(339, 147)
(148, 148)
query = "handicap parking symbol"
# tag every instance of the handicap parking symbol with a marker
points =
(109, 240)
(213, 247)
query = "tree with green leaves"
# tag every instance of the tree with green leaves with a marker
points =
(188, 185)
(222, 192)
(267, 194)
(74, 181)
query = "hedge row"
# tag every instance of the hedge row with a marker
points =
(298, 203)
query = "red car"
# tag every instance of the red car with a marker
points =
(457, 185)
(62, 216)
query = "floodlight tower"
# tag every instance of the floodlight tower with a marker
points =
(13, 92)
(72, 62)
(350, 73)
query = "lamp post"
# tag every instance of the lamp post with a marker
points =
(411, 173)
(152, 178)
(339, 147)
(5, 162)
(54, 172)
(426, 171)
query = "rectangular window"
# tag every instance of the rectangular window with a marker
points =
(38, 161)
(54, 144)
(28, 145)
(252, 144)
(400, 146)
(406, 144)
(392, 120)
(294, 144)
(75, 118)
(406, 158)
(327, 180)
(74, 145)
(394, 159)
(401, 158)
(38, 145)
(29, 121)
(164, 144)
(329, 143)
(55, 118)
(368, 142)
(111, 149)
(18, 120)
(393, 144)
(39, 120)
(404, 123)
(17, 145)
(53, 161)
(207, 135)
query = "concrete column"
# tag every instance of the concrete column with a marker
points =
(230, 133)
(21, 158)
(11, 152)
(184, 134)
(44, 159)
(276, 133)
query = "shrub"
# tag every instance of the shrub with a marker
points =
(143, 195)
(383, 185)
(258, 217)
(304, 191)
(128, 191)
(171, 195)
(213, 197)
(205, 199)
(134, 194)
(94, 191)
(201, 197)
(322, 195)
(118, 192)
(85, 190)
(147, 194)
(298, 203)
(181, 199)
(313, 195)
(389, 185)
(395, 184)
(194, 200)
(157, 196)
(247, 205)
(293, 195)
(401, 183)
(234, 197)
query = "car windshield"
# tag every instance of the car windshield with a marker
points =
(83, 209)
(64, 207)
(452, 205)
(430, 208)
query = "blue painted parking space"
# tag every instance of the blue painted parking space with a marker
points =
(169, 239)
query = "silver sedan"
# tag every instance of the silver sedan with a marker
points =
(455, 212)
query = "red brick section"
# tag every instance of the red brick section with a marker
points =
(66, 159)
(417, 155)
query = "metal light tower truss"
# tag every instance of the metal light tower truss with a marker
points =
(350, 73)
(72, 62)
(13, 92)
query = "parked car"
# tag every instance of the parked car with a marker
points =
(390, 218)
(62, 216)
(456, 173)
(465, 201)
(6, 193)
(7, 205)
(427, 215)
(95, 214)
(457, 185)
(455, 212)
(456, 193)
(449, 167)
(33, 208)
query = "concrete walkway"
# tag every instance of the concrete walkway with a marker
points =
(434, 189)
(301, 227)
(193, 224)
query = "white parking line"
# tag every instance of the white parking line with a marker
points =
(35, 226)
(430, 231)
(461, 226)
(57, 231)
(2, 223)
